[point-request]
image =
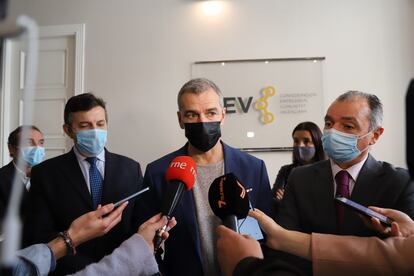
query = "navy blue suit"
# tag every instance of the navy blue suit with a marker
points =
(183, 254)
(59, 195)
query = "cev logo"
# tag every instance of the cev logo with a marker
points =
(261, 104)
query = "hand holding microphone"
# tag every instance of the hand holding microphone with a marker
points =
(180, 175)
(148, 230)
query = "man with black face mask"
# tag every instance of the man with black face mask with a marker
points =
(190, 249)
(353, 124)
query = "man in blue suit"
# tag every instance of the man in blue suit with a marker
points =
(72, 184)
(190, 249)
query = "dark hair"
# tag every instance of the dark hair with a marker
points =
(14, 136)
(316, 135)
(82, 102)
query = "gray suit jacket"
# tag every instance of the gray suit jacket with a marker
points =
(309, 206)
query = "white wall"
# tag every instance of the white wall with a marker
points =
(138, 54)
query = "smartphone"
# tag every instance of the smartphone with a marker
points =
(386, 221)
(130, 197)
(250, 226)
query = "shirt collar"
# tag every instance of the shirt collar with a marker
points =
(353, 170)
(21, 174)
(80, 157)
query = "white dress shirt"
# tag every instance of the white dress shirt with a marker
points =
(84, 165)
(353, 172)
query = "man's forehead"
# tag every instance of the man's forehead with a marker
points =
(32, 134)
(205, 100)
(349, 110)
(92, 114)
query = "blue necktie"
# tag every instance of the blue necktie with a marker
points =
(95, 181)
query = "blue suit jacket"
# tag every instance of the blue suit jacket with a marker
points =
(59, 195)
(183, 254)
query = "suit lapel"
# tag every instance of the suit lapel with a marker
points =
(323, 197)
(73, 173)
(229, 162)
(114, 187)
(363, 193)
(366, 182)
(189, 214)
(110, 174)
(191, 221)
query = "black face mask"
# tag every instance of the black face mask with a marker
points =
(203, 136)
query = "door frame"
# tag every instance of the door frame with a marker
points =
(76, 30)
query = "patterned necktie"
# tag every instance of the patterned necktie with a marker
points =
(342, 189)
(95, 181)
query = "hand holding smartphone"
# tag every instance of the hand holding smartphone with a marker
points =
(130, 197)
(386, 221)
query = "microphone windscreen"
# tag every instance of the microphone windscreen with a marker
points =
(227, 196)
(409, 109)
(183, 169)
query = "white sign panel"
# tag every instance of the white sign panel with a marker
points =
(266, 99)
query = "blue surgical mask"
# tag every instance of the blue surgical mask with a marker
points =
(303, 154)
(341, 147)
(91, 142)
(33, 155)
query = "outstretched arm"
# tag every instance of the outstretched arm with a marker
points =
(87, 227)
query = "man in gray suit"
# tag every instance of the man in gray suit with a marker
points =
(353, 124)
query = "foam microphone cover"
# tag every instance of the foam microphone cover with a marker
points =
(227, 196)
(182, 169)
(409, 109)
(180, 175)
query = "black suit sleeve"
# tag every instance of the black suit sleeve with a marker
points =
(281, 179)
(2, 209)
(406, 200)
(288, 213)
(4, 199)
(39, 224)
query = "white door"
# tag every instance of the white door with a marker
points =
(57, 72)
(55, 84)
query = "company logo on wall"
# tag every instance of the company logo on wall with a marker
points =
(265, 99)
(261, 104)
(289, 104)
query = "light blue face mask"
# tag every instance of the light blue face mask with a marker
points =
(33, 155)
(91, 142)
(341, 147)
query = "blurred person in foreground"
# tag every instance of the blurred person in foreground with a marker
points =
(330, 254)
(135, 256)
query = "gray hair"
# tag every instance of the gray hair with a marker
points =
(198, 86)
(374, 104)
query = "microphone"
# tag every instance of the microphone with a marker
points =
(181, 175)
(229, 200)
